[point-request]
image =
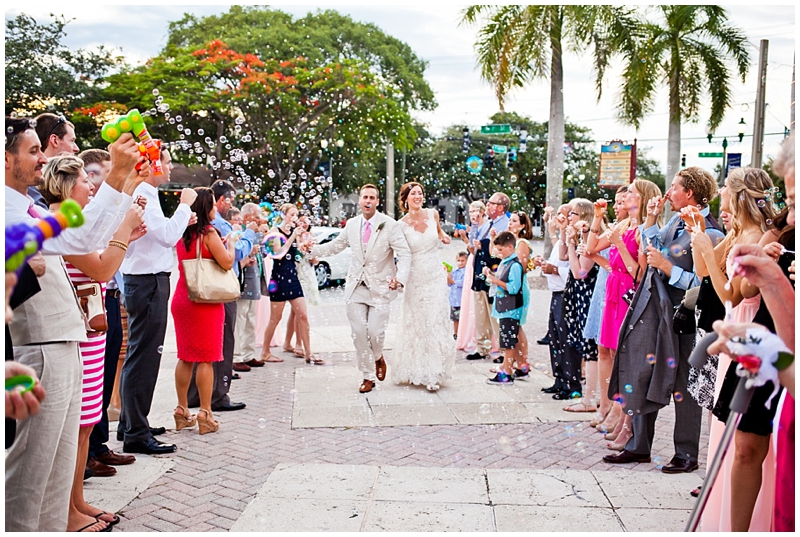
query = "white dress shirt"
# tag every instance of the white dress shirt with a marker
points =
(102, 217)
(153, 253)
(557, 282)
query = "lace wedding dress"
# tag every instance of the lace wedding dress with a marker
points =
(424, 350)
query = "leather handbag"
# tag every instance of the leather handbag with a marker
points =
(207, 282)
(683, 322)
(90, 296)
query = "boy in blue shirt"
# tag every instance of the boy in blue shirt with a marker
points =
(455, 280)
(508, 304)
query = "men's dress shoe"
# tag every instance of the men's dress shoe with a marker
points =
(498, 360)
(228, 407)
(115, 459)
(235, 376)
(366, 386)
(157, 431)
(562, 396)
(625, 456)
(551, 389)
(380, 368)
(679, 466)
(255, 362)
(151, 447)
(544, 341)
(99, 469)
(243, 367)
(475, 356)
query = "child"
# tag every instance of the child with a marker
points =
(508, 304)
(455, 280)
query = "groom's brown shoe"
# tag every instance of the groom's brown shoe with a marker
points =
(380, 368)
(366, 386)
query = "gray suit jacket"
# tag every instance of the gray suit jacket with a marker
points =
(373, 265)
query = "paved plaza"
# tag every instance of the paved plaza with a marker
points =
(309, 453)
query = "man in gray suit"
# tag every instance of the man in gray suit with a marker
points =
(372, 279)
(650, 387)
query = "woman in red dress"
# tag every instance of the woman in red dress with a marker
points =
(198, 327)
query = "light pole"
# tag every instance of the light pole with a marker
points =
(741, 129)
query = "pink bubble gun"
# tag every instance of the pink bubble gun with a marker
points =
(23, 239)
(133, 122)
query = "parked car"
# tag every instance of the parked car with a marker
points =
(330, 269)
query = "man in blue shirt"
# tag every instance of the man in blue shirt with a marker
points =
(647, 329)
(224, 192)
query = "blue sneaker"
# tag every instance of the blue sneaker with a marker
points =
(501, 378)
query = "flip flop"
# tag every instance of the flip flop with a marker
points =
(580, 407)
(112, 522)
(272, 358)
(86, 527)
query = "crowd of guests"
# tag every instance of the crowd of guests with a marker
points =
(618, 347)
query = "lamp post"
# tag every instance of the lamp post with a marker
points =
(741, 129)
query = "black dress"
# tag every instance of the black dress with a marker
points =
(284, 274)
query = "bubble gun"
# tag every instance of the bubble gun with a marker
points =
(448, 266)
(133, 122)
(460, 227)
(24, 239)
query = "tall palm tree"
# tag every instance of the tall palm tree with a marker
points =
(519, 43)
(688, 49)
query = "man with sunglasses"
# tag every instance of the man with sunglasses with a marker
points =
(56, 134)
(486, 326)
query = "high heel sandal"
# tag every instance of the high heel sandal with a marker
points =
(181, 419)
(207, 424)
(599, 417)
(619, 446)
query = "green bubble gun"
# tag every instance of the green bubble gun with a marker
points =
(133, 122)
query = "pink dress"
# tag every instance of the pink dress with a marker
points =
(618, 282)
(717, 513)
(93, 354)
(466, 325)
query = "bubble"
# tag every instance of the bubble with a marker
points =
(160, 349)
(628, 388)
(178, 119)
(671, 363)
(678, 397)
(575, 395)
(581, 447)
(676, 250)
(619, 398)
(762, 203)
(778, 194)
(273, 243)
(630, 412)
(484, 409)
(658, 463)
(769, 221)
(569, 430)
(155, 91)
(200, 132)
(262, 423)
(651, 359)
(272, 286)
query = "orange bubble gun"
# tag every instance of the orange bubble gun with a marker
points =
(24, 239)
(133, 122)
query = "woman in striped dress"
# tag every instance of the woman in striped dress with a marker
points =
(64, 177)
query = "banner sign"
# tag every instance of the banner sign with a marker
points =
(734, 161)
(617, 164)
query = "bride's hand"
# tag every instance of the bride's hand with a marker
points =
(445, 239)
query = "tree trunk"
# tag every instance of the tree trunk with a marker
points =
(555, 134)
(673, 139)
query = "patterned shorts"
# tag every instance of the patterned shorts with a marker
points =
(509, 330)
(455, 313)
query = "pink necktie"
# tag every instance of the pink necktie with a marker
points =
(367, 232)
(33, 212)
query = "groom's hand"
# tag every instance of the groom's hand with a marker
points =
(394, 284)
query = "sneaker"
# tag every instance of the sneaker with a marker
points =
(521, 374)
(499, 360)
(475, 356)
(501, 378)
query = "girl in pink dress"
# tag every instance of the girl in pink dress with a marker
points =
(466, 340)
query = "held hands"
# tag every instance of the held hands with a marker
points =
(394, 284)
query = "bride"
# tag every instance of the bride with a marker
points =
(424, 351)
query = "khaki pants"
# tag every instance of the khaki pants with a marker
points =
(486, 326)
(368, 323)
(244, 339)
(40, 465)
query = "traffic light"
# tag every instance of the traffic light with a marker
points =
(683, 160)
(523, 140)
(488, 160)
(512, 155)
(465, 141)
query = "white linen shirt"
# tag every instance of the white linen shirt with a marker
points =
(152, 253)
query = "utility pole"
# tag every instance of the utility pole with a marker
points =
(390, 179)
(761, 106)
(791, 120)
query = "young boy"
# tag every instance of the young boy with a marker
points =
(455, 280)
(507, 307)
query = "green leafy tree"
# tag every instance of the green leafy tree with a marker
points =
(689, 48)
(43, 74)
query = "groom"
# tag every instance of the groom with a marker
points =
(372, 279)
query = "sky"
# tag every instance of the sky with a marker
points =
(433, 32)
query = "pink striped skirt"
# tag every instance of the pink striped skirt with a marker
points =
(93, 357)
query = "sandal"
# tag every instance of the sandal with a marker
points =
(183, 419)
(600, 417)
(96, 521)
(580, 407)
(207, 424)
(113, 522)
(271, 358)
(314, 360)
(623, 439)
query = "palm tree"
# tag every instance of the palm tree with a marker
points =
(518, 43)
(688, 50)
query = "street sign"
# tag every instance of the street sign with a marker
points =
(710, 155)
(617, 162)
(495, 129)
(500, 149)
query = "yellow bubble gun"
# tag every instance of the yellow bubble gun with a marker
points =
(133, 122)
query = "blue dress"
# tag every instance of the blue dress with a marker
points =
(595, 316)
(284, 274)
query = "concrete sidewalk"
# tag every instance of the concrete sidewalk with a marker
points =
(293, 460)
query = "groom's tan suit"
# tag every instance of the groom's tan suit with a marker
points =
(367, 292)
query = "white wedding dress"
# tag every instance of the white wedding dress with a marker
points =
(424, 350)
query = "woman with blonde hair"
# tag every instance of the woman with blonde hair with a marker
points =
(65, 178)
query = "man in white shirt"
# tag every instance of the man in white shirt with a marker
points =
(146, 270)
(556, 272)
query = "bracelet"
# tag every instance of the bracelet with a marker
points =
(783, 361)
(595, 231)
(118, 244)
